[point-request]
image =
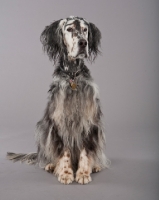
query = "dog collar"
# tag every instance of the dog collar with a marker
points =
(72, 76)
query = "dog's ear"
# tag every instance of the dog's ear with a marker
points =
(52, 41)
(94, 37)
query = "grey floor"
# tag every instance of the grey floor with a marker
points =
(133, 174)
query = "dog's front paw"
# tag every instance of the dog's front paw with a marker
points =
(66, 177)
(83, 177)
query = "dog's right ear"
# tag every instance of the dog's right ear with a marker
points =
(52, 41)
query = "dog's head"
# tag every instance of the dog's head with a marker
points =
(73, 37)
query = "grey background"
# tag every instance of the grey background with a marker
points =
(127, 74)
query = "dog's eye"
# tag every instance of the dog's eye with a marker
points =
(70, 29)
(85, 30)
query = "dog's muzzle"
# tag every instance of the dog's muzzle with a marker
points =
(82, 47)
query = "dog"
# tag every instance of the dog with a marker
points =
(70, 137)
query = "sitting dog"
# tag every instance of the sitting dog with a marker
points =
(70, 138)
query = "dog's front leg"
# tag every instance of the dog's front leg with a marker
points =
(84, 168)
(63, 169)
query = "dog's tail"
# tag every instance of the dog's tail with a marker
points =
(30, 158)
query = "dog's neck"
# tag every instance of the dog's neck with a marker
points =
(71, 65)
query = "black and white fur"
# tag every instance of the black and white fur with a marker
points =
(70, 138)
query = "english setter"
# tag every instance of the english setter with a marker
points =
(70, 137)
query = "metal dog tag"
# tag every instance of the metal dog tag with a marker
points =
(73, 84)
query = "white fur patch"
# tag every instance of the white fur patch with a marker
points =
(63, 169)
(85, 169)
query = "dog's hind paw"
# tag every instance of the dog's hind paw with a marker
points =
(49, 168)
(96, 169)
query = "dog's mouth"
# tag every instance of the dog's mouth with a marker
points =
(81, 54)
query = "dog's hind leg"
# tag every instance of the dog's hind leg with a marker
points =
(96, 168)
(84, 168)
(50, 168)
(63, 169)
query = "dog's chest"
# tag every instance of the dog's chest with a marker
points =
(73, 107)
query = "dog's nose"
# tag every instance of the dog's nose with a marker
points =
(82, 43)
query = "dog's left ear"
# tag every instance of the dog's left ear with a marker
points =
(94, 38)
(52, 41)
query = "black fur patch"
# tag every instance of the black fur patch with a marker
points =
(52, 41)
(94, 40)
(77, 25)
(90, 141)
(57, 142)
